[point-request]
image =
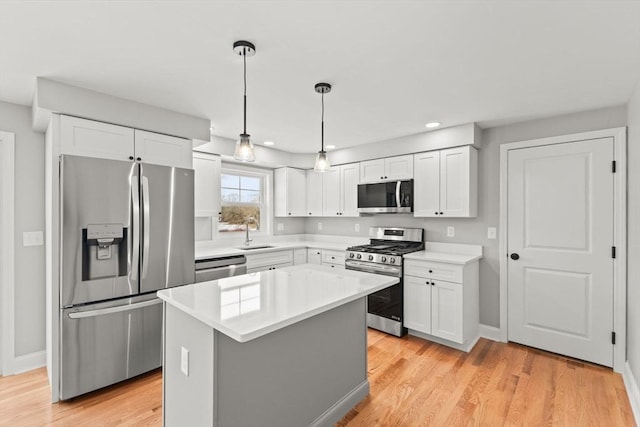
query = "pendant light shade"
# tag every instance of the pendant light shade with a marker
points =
(322, 161)
(244, 147)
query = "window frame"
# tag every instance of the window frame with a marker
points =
(266, 207)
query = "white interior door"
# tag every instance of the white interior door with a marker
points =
(560, 229)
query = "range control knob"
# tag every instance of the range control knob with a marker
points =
(359, 256)
(351, 255)
(370, 257)
(393, 260)
(383, 259)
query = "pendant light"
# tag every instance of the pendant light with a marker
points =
(322, 161)
(244, 146)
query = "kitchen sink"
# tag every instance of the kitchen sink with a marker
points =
(250, 248)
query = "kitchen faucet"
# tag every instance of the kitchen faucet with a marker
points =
(247, 240)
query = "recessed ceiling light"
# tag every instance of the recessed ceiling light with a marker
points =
(269, 143)
(330, 147)
(432, 125)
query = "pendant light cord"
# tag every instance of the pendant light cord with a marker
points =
(322, 125)
(244, 63)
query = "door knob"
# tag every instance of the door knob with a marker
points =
(515, 256)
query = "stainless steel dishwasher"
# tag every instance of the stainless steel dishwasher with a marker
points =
(219, 267)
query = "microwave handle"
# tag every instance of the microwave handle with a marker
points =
(398, 194)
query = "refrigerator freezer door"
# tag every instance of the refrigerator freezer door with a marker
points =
(98, 246)
(104, 343)
(167, 257)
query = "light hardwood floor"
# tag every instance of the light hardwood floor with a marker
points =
(413, 382)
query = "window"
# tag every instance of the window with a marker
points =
(244, 199)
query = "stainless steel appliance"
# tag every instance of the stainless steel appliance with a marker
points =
(126, 231)
(386, 197)
(383, 255)
(220, 267)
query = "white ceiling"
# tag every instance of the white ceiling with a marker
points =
(394, 65)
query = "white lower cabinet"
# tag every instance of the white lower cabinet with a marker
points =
(332, 258)
(314, 256)
(299, 256)
(441, 308)
(269, 260)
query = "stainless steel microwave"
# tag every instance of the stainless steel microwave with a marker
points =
(386, 197)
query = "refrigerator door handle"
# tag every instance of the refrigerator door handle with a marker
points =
(135, 247)
(111, 310)
(145, 226)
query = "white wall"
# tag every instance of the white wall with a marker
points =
(29, 216)
(474, 230)
(633, 234)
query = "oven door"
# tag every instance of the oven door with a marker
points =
(387, 303)
(386, 197)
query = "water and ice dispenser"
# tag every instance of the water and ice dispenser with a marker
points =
(104, 251)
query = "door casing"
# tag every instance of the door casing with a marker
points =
(619, 136)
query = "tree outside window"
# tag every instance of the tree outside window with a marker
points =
(242, 202)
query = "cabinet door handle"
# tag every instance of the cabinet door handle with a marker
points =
(138, 159)
(441, 213)
(430, 271)
(515, 256)
(130, 157)
(436, 213)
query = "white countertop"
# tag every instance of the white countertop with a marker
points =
(252, 305)
(450, 253)
(444, 257)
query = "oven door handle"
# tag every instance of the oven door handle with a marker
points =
(372, 268)
(398, 202)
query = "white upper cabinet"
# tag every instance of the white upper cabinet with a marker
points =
(206, 189)
(331, 190)
(387, 169)
(290, 186)
(163, 149)
(90, 138)
(314, 193)
(206, 184)
(446, 183)
(340, 190)
(349, 180)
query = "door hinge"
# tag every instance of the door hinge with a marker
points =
(613, 251)
(613, 166)
(613, 337)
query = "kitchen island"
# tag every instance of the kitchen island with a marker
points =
(279, 348)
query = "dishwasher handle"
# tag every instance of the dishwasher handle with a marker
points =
(209, 263)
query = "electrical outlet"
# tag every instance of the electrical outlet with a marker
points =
(319, 226)
(184, 361)
(451, 231)
(280, 226)
(491, 233)
(357, 228)
(32, 238)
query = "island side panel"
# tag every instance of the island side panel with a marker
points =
(188, 399)
(313, 371)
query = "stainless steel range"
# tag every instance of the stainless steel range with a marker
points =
(383, 255)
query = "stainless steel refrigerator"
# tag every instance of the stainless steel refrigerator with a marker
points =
(126, 232)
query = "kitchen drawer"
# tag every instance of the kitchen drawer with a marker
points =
(434, 270)
(267, 268)
(269, 259)
(333, 257)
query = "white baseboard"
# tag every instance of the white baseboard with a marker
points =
(633, 392)
(489, 332)
(29, 361)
